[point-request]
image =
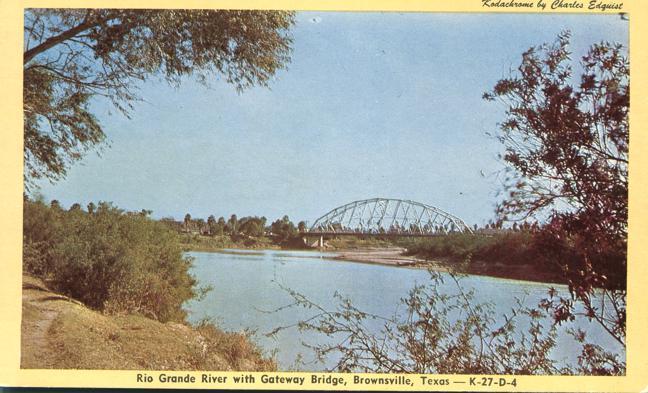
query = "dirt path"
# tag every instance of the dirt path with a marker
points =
(40, 309)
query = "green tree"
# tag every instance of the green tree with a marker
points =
(220, 226)
(566, 140)
(200, 224)
(283, 230)
(110, 260)
(232, 225)
(211, 223)
(188, 223)
(91, 207)
(74, 55)
(252, 226)
(301, 226)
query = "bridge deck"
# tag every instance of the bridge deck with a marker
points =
(362, 234)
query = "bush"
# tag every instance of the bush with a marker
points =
(110, 260)
(237, 349)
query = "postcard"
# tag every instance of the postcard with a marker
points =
(411, 196)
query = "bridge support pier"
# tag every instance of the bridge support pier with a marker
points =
(320, 244)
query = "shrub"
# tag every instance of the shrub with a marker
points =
(237, 349)
(110, 260)
(443, 329)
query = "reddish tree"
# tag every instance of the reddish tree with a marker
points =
(566, 137)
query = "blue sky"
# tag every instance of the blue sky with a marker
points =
(372, 105)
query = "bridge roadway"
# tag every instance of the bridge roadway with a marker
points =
(370, 234)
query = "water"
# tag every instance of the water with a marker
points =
(247, 288)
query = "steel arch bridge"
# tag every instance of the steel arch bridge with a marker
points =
(382, 216)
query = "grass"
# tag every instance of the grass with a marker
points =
(80, 338)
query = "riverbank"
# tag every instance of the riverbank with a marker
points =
(444, 255)
(62, 333)
(195, 242)
(397, 257)
(390, 256)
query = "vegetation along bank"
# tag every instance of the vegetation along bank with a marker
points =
(104, 289)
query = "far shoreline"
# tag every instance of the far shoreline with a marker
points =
(394, 257)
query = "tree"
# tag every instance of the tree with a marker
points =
(301, 226)
(232, 225)
(566, 146)
(283, 230)
(187, 222)
(220, 226)
(211, 223)
(74, 55)
(252, 226)
(111, 260)
(200, 223)
(91, 207)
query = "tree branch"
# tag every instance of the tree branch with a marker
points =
(57, 39)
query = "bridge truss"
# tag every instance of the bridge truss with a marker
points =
(381, 216)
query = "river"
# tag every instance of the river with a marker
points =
(245, 288)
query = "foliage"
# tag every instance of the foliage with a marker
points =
(566, 147)
(359, 242)
(301, 226)
(73, 55)
(220, 226)
(505, 247)
(283, 230)
(252, 226)
(212, 224)
(109, 259)
(244, 232)
(195, 242)
(238, 349)
(444, 331)
(231, 226)
(569, 145)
